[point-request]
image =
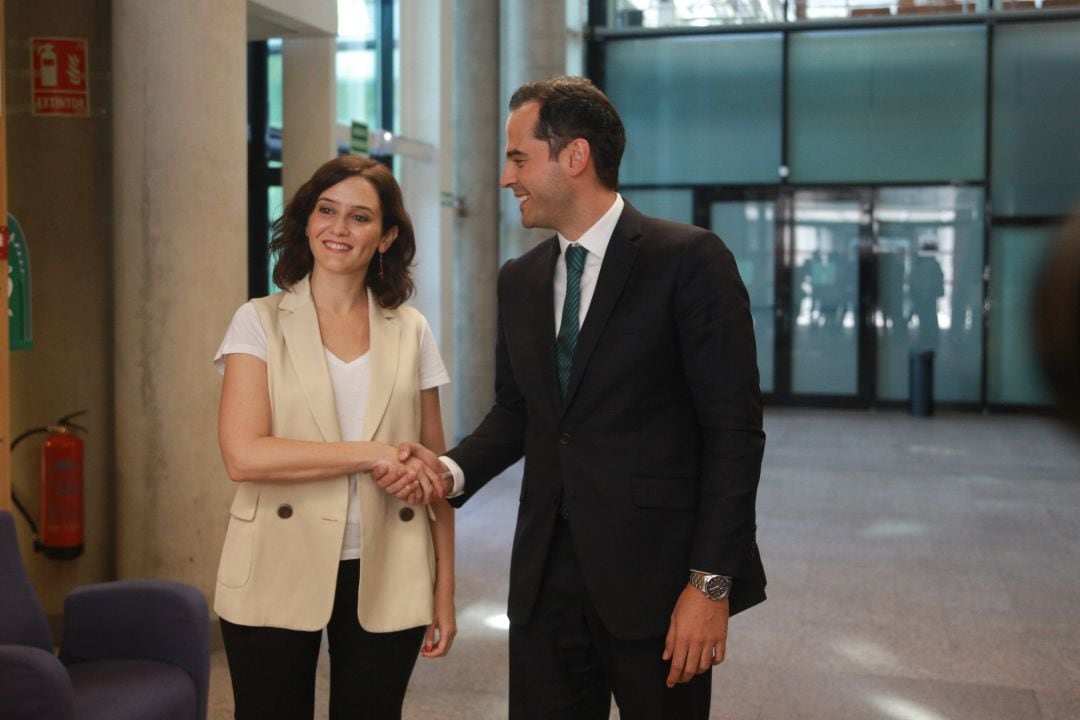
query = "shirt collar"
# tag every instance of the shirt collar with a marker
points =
(596, 238)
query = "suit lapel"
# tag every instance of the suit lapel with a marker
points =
(385, 345)
(618, 261)
(300, 327)
(540, 298)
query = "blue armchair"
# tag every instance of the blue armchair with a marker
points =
(137, 649)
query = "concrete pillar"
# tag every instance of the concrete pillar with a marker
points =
(179, 271)
(309, 106)
(533, 48)
(418, 152)
(476, 152)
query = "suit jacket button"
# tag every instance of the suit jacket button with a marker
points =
(284, 511)
(406, 514)
(564, 439)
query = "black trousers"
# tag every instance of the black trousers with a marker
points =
(565, 665)
(273, 669)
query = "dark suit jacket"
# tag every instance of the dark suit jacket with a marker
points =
(658, 444)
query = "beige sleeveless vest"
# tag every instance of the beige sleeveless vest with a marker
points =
(280, 559)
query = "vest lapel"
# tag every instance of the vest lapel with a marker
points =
(300, 327)
(384, 332)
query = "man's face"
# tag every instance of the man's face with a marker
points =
(538, 181)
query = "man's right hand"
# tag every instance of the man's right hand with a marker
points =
(442, 482)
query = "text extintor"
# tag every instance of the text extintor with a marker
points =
(61, 82)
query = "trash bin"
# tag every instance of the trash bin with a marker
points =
(921, 383)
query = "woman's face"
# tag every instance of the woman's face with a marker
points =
(345, 228)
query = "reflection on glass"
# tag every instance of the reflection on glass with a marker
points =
(749, 231)
(825, 295)
(929, 268)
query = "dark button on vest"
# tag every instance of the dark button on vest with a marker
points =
(284, 511)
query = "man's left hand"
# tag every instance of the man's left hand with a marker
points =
(697, 637)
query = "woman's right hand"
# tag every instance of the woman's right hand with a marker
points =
(427, 478)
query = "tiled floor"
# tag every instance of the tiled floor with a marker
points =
(919, 569)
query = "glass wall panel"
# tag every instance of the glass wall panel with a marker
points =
(677, 205)
(825, 336)
(749, 231)
(1016, 258)
(929, 251)
(829, 9)
(274, 81)
(703, 13)
(699, 13)
(275, 196)
(889, 105)
(357, 74)
(1036, 108)
(1035, 4)
(698, 109)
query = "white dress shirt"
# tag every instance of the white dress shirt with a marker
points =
(595, 240)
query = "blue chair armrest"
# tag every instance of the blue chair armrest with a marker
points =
(33, 685)
(141, 619)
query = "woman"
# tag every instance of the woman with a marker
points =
(321, 382)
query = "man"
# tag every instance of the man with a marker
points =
(626, 375)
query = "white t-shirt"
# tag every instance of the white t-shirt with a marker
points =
(350, 382)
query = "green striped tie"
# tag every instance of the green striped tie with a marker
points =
(568, 330)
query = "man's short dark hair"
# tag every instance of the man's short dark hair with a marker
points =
(570, 108)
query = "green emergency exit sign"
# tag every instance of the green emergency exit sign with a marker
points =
(19, 328)
(358, 138)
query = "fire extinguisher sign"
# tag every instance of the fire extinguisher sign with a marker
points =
(61, 83)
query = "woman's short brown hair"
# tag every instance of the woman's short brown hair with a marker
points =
(290, 240)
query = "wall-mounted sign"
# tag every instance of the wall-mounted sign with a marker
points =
(20, 333)
(358, 138)
(61, 81)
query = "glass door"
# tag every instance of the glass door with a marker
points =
(828, 232)
(928, 244)
(846, 283)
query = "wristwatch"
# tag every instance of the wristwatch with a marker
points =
(715, 587)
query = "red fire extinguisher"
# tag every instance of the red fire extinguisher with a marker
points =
(60, 535)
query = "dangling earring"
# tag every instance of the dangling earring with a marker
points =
(381, 273)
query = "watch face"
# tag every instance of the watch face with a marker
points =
(717, 586)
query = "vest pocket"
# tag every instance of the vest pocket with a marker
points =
(236, 555)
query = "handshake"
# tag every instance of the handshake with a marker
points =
(415, 476)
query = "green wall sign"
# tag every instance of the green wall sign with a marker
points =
(358, 138)
(20, 332)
